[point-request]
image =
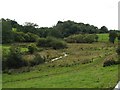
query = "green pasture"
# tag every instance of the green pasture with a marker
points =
(104, 37)
(69, 72)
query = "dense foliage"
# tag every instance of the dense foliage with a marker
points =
(112, 36)
(30, 31)
(82, 38)
(13, 59)
(109, 63)
(7, 35)
(51, 42)
(25, 37)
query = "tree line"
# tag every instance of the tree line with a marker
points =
(28, 31)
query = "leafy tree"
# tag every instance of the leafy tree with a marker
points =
(14, 24)
(19, 36)
(7, 35)
(60, 30)
(68, 28)
(43, 31)
(14, 59)
(103, 29)
(30, 24)
(29, 27)
(112, 36)
(25, 37)
(55, 33)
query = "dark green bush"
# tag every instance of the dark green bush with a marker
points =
(19, 36)
(51, 42)
(32, 48)
(14, 59)
(109, 63)
(82, 38)
(25, 37)
(42, 42)
(4, 57)
(112, 36)
(32, 37)
(118, 51)
(6, 30)
(96, 37)
(56, 43)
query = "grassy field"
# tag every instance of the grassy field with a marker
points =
(104, 38)
(82, 68)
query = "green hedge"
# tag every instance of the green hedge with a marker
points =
(13, 59)
(82, 38)
(25, 37)
(52, 42)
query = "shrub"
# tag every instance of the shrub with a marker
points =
(56, 43)
(109, 63)
(42, 42)
(19, 36)
(32, 37)
(37, 60)
(25, 37)
(96, 38)
(32, 48)
(82, 38)
(4, 57)
(51, 42)
(88, 38)
(14, 59)
(6, 30)
(112, 36)
(118, 50)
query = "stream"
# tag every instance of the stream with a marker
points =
(60, 57)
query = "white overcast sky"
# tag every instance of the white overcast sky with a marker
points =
(46, 13)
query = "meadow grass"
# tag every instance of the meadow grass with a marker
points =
(104, 38)
(69, 72)
(84, 76)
